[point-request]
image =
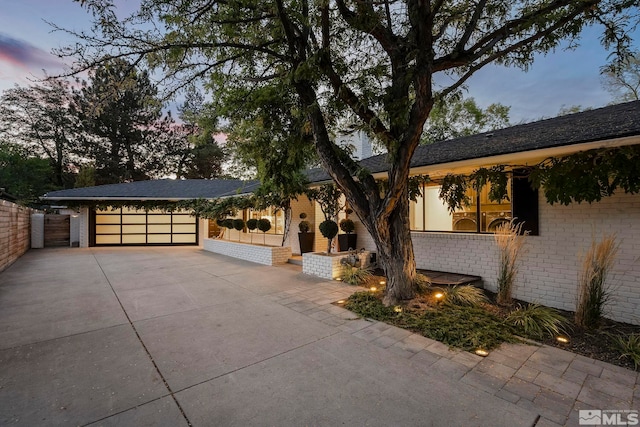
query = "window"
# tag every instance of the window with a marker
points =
(275, 216)
(482, 215)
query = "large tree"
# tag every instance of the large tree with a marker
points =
(456, 116)
(24, 175)
(385, 61)
(121, 114)
(39, 119)
(622, 80)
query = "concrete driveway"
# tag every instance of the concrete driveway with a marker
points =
(178, 336)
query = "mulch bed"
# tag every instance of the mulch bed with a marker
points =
(596, 344)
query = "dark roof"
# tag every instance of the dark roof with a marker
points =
(162, 189)
(616, 121)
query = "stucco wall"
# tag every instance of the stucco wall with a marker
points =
(15, 232)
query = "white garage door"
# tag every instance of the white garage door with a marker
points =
(125, 226)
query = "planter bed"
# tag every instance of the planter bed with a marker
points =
(261, 254)
(327, 266)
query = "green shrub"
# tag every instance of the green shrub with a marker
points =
(629, 347)
(238, 224)
(466, 295)
(304, 226)
(347, 226)
(467, 328)
(252, 224)
(228, 223)
(264, 225)
(355, 275)
(329, 229)
(537, 321)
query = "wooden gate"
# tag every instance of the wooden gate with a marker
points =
(56, 230)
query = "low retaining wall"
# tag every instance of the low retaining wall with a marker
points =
(328, 266)
(15, 232)
(267, 255)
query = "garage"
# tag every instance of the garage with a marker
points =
(125, 226)
(112, 214)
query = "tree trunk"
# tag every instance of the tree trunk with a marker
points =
(395, 254)
(287, 223)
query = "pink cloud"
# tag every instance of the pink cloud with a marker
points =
(22, 54)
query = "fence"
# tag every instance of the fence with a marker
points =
(15, 235)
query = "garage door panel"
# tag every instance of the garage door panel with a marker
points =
(107, 239)
(134, 219)
(184, 219)
(107, 219)
(159, 219)
(159, 228)
(137, 227)
(159, 238)
(184, 238)
(108, 229)
(184, 228)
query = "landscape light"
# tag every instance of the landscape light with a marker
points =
(481, 352)
(439, 295)
(563, 340)
(382, 282)
(373, 289)
(341, 301)
(397, 309)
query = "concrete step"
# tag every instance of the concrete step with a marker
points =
(297, 260)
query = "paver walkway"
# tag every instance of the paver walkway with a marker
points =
(178, 336)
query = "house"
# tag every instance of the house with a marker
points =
(462, 241)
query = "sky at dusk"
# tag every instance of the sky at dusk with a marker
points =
(561, 79)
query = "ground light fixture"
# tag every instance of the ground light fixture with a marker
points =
(563, 340)
(397, 309)
(481, 352)
(373, 289)
(438, 295)
(382, 282)
(341, 301)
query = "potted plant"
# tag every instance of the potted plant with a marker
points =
(349, 240)
(329, 229)
(305, 237)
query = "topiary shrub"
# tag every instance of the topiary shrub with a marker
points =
(228, 223)
(252, 224)
(264, 225)
(304, 226)
(329, 229)
(238, 224)
(347, 226)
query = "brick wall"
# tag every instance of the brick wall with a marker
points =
(327, 267)
(549, 268)
(267, 255)
(15, 232)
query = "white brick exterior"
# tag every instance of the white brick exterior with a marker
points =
(327, 267)
(548, 270)
(267, 255)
